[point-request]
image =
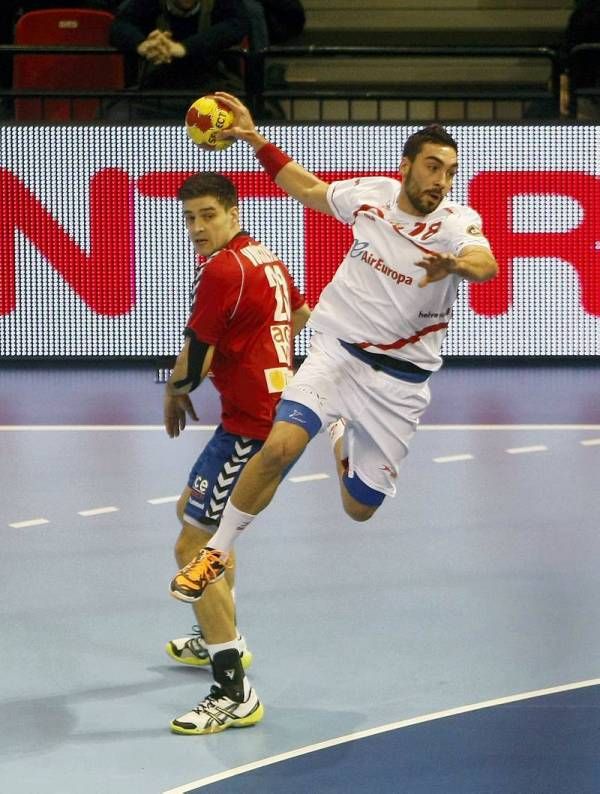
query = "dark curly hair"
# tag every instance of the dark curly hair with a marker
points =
(434, 133)
(209, 184)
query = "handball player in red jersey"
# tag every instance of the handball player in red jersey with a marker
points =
(245, 313)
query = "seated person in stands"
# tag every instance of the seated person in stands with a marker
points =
(584, 28)
(284, 20)
(180, 42)
(274, 22)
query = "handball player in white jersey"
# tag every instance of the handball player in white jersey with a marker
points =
(378, 329)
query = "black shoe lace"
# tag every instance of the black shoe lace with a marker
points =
(215, 694)
(196, 638)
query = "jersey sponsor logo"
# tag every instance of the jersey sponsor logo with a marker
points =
(434, 315)
(360, 250)
(389, 470)
(200, 485)
(357, 248)
(475, 230)
(281, 336)
(277, 379)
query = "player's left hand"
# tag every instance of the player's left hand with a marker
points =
(177, 407)
(437, 267)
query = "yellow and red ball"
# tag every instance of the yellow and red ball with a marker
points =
(204, 119)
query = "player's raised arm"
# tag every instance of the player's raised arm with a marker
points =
(296, 181)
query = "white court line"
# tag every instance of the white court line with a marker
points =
(524, 450)
(33, 522)
(393, 726)
(102, 428)
(98, 511)
(162, 500)
(124, 428)
(453, 458)
(507, 427)
(590, 442)
(309, 477)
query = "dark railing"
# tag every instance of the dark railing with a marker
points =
(258, 93)
(576, 66)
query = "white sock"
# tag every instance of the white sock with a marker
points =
(224, 646)
(232, 523)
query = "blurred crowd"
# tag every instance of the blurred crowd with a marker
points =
(184, 45)
(173, 45)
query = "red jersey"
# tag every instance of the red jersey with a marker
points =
(243, 306)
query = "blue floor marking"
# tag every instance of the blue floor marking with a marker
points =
(544, 745)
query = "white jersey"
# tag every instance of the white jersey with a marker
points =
(374, 299)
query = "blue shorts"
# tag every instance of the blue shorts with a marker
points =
(215, 473)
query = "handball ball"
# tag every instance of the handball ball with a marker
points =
(205, 117)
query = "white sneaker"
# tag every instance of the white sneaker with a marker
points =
(192, 650)
(217, 712)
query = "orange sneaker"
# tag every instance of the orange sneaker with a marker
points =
(207, 567)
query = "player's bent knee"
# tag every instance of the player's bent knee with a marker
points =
(189, 542)
(282, 449)
(275, 457)
(359, 499)
(357, 511)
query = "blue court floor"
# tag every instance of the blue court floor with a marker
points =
(451, 644)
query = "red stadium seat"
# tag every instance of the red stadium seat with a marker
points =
(64, 27)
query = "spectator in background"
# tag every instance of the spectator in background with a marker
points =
(583, 27)
(274, 21)
(7, 26)
(179, 44)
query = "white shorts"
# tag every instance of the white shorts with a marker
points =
(382, 412)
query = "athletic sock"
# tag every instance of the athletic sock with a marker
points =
(232, 523)
(213, 648)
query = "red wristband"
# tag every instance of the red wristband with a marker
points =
(272, 159)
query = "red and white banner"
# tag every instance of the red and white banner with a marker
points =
(94, 259)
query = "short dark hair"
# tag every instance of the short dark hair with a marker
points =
(209, 183)
(434, 133)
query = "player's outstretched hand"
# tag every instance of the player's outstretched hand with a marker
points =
(243, 124)
(436, 266)
(177, 407)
